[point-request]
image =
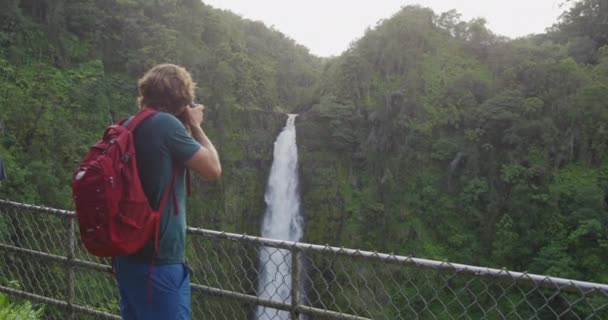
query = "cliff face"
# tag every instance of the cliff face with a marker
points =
(331, 209)
(244, 139)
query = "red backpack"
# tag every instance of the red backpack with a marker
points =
(113, 212)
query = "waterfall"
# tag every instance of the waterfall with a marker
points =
(282, 220)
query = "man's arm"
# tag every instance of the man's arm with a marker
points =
(205, 161)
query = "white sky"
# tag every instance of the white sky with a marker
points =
(327, 27)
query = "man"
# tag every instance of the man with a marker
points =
(171, 137)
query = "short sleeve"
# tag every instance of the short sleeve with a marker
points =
(179, 143)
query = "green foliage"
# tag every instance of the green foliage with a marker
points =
(584, 27)
(19, 311)
(470, 147)
(68, 69)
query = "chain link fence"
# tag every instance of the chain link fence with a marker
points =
(45, 273)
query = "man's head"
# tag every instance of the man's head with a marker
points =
(166, 87)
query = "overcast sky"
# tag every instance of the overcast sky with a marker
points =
(327, 27)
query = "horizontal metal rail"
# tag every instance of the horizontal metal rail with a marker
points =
(61, 259)
(519, 277)
(39, 209)
(59, 303)
(273, 304)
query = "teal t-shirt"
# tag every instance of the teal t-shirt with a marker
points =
(160, 142)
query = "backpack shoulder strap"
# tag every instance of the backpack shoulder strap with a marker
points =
(169, 189)
(139, 117)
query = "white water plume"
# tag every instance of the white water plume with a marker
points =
(282, 221)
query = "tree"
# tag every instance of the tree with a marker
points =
(586, 18)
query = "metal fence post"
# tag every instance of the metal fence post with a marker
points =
(70, 295)
(295, 283)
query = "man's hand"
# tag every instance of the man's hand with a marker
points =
(194, 117)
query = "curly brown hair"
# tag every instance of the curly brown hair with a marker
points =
(166, 87)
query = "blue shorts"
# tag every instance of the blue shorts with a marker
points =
(167, 296)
